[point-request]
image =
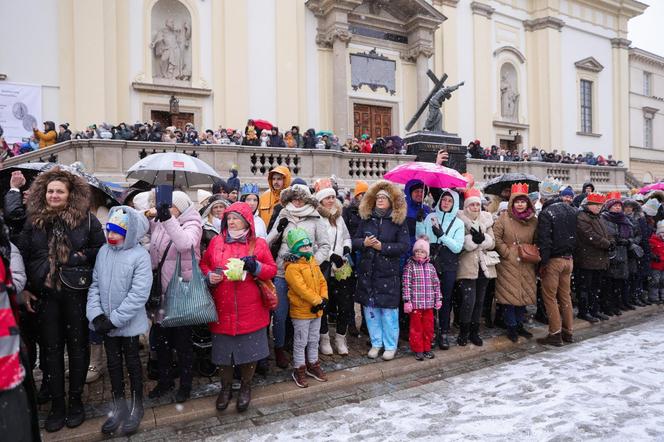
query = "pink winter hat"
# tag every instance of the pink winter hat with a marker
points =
(421, 244)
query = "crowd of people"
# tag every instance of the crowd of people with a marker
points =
(81, 277)
(271, 136)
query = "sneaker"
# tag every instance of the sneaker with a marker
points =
(419, 356)
(314, 371)
(429, 354)
(551, 339)
(373, 353)
(388, 355)
(299, 376)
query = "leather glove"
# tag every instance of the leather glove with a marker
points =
(337, 260)
(477, 235)
(407, 307)
(347, 250)
(420, 215)
(163, 213)
(437, 230)
(102, 324)
(250, 264)
(282, 225)
(319, 307)
(439, 305)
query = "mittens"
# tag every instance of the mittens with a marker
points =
(407, 307)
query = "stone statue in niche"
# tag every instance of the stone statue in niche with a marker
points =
(170, 47)
(509, 96)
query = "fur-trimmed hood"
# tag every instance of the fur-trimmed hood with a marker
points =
(396, 195)
(485, 219)
(297, 192)
(325, 213)
(78, 203)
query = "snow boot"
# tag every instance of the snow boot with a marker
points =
(324, 347)
(340, 343)
(551, 339)
(224, 397)
(299, 376)
(388, 355)
(462, 338)
(443, 341)
(281, 357)
(56, 416)
(373, 352)
(244, 397)
(75, 411)
(133, 421)
(314, 371)
(117, 416)
(474, 335)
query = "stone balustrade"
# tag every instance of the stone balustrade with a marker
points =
(110, 159)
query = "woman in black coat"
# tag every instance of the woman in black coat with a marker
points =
(59, 245)
(381, 237)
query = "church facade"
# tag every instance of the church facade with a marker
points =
(547, 73)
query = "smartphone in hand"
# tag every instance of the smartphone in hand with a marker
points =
(164, 195)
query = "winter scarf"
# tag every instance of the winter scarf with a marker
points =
(381, 213)
(622, 221)
(300, 212)
(473, 217)
(526, 214)
(331, 214)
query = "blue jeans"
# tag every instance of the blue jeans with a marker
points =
(281, 314)
(383, 325)
(513, 315)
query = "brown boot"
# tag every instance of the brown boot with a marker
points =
(551, 339)
(567, 337)
(299, 376)
(281, 357)
(224, 397)
(244, 397)
(316, 372)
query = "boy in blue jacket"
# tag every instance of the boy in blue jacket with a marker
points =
(121, 284)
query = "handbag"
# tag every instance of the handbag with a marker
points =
(76, 278)
(154, 300)
(267, 288)
(188, 302)
(491, 258)
(528, 253)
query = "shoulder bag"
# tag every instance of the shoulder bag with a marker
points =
(77, 278)
(267, 288)
(528, 253)
(154, 300)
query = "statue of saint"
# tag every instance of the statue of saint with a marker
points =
(434, 122)
(170, 45)
(509, 99)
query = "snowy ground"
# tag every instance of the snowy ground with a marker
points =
(606, 388)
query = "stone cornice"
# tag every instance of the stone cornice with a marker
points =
(482, 9)
(413, 52)
(620, 43)
(646, 57)
(452, 3)
(589, 64)
(649, 112)
(326, 38)
(543, 23)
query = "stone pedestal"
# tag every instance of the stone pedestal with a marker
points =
(425, 145)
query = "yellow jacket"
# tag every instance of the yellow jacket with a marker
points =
(270, 197)
(46, 139)
(306, 288)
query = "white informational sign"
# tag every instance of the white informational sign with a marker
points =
(20, 110)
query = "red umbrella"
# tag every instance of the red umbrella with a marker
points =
(263, 124)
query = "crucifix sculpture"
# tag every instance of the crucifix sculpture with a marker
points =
(439, 93)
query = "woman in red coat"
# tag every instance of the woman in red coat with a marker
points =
(239, 337)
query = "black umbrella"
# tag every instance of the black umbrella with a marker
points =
(31, 170)
(496, 185)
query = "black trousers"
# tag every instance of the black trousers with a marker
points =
(589, 290)
(612, 292)
(472, 298)
(118, 347)
(15, 419)
(62, 321)
(178, 338)
(447, 281)
(341, 292)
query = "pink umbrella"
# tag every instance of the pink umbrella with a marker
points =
(430, 174)
(651, 187)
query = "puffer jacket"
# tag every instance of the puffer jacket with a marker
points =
(619, 261)
(421, 286)
(239, 303)
(339, 236)
(122, 279)
(657, 248)
(556, 230)
(185, 231)
(413, 209)
(379, 272)
(351, 215)
(592, 242)
(516, 282)
(271, 197)
(316, 227)
(473, 256)
(453, 233)
(306, 287)
(16, 266)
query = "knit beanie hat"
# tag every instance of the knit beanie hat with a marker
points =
(567, 191)
(651, 207)
(181, 200)
(660, 227)
(324, 189)
(361, 186)
(472, 196)
(549, 188)
(118, 222)
(299, 181)
(421, 244)
(384, 193)
(297, 238)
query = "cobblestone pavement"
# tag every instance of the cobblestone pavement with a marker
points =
(230, 423)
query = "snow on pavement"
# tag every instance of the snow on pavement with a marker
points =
(606, 388)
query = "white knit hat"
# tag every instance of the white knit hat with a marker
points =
(324, 193)
(651, 207)
(181, 200)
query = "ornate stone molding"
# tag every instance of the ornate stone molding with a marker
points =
(620, 43)
(649, 112)
(171, 89)
(413, 52)
(543, 23)
(589, 64)
(452, 3)
(482, 9)
(326, 38)
(512, 50)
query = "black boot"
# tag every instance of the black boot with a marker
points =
(462, 339)
(75, 411)
(118, 415)
(133, 421)
(224, 396)
(475, 335)
(521, 331)
(512, 334)
(160, 389)
(183, 394)
(443, 341)
(56, 416)
(244, 397)
(44, 396)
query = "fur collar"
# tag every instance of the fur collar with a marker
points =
(77, 207)
(289, 194)
(485, 219)
(398, 201)
(325, 213)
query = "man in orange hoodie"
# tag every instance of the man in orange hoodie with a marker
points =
(278, 179)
